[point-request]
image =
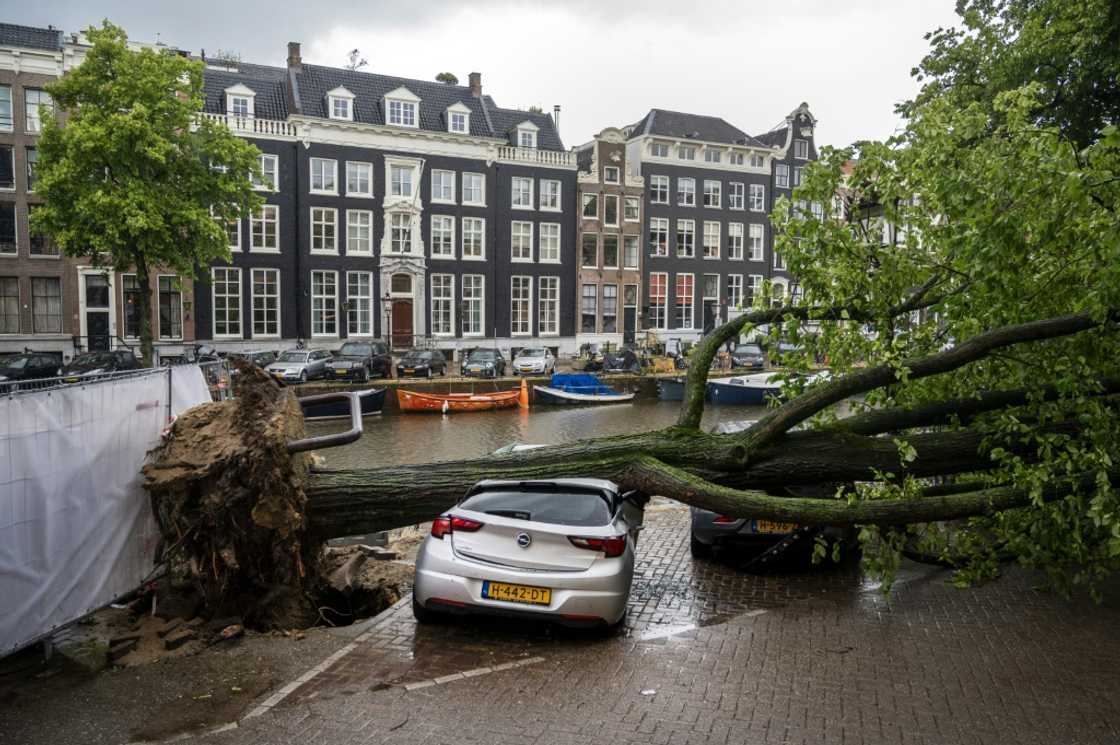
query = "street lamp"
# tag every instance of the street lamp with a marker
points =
(387, 302)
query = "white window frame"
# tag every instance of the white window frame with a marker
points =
(683, 192)
(550, 233)
(445, 229)
(481, 232)
(469, 302)
(607, 288)
(686, 152)
(735, 295)
(254, 296)
(550, 195)
(753, 288)
(235, 272)
(607, 171)
(334, 302)
(340, 96)
(233, 247)
(756, 242)
(611, 199)
(736, 241)
(517, 192)
(713, 192)
(634, 202)
(316, 221)
(520, 229)
(781, 176)
(354, 219)
(659, 185)
(356, 167)
(439, 188)
(396, 186)
(402, 113)
(10, 126)
(737, 196)
(548, 305)
(527, 284)
(232, 105)
(757, 161)
(447, 303)
(636, 241)
(274, 183)
(780, 264)
(469, 176)
(527, 137)
(159, 335)
(268, 214)
(801, 149)
(708, 233)
(353, 298)
(664, 304)
(798, 175)
(588, 199)
(756, 196)
(691, 305)
(691, 225)
(391, 233)
(713, 155)
(662, 227)
(321, 165)
(659, 149)
(615, 238)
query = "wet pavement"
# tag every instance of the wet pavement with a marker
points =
(708, 654)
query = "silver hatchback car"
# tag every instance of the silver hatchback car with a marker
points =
(559, 550)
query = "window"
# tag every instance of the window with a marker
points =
(46, 305)
(758, 198)
(589, 308)
(801, 149)
(797, 171)
(170, 303)
(340, 107)
(548, 306)
(591, 206)
(240, 105)
(711, 287)
(526, 138)
(779, 262)
(37, 105)
(473, 292)
(659, 236)
(359, 304)
(32, 166)
(712, 195)
(7, 167)
(400, 178)
(818, 211)
(264, 231)
(757, 161)
(130, 295)
(686, 192)
(5, 108)
(323, 223)
(631, 209)
(630, 251)
(39, 244)
(443, 304)
(686, 152)
(474, 187)
(735, 196)
(610, 251)
(9, 304)
(233, 233)
(522, 190)
(711, 239)
(401, 284)
(474, 238)
(359, 232)
(736, 159)
(658, 300)
(686, 239)
(659, 189)
(756, 234)
(8, 228)
(550, 243)
(521, 241)
(610, 309)
(226, 290)
(400, 233)
(735, 241)
(659, 150)
(589, 251)
(781, 176)
(324, 175)
(457, 122)
(521, 306)
(359, 179)
(324, 303)
(777, 295)
(712, 156)
(266, 303)
(550, 195)
(610, 174)
(443, 186)
(402, 113)
(684, 302)
(610, 209)
(735, 291)
(443, 236)
(754, 288)
(270, 173)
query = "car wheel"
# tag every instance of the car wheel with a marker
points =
(698, 549)
(423, 615)
(428, 373)
(303, 376)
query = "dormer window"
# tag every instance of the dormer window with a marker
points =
(340, 104)
(458, 118)
(402, 108)
(526, 135)
(239, 100)
(239, 105)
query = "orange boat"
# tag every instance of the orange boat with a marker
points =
(447, 402)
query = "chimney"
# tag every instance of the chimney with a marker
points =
(476, 84)
(295, 61)
(556, 117)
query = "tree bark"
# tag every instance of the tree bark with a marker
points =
(145, 311)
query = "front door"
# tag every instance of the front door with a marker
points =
(97, 312)
(402, 324)
(629, 313)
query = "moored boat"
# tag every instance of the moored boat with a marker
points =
(670, 389)
(448, 402)
(744, 390)
(578, 388)
(372, 402)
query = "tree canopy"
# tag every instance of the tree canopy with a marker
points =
(134, 178)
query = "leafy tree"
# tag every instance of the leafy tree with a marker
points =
(536, 109)
(135, 179)
(447, 78)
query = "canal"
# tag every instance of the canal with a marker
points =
(399, 439)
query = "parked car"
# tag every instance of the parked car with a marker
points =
(484, 362)
(89, 364)
(300, 365)
(360, 360)
(260, 358)
(559, 550)
(749, 356)
(421, 363)
(534, 360)
(27, 366)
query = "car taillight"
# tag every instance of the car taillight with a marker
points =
(441, 526)
(611, 547)
(726, 519)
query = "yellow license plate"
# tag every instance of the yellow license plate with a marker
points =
(516, 593)
(340, 372)
(768, 526)
(410, 369)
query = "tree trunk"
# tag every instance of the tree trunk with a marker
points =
(145, 311)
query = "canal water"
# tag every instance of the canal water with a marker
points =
(401, 439)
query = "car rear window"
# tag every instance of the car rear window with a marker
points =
(583, 509)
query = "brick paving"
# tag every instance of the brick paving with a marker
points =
(710, 654)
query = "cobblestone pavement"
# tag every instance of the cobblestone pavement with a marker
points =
(714, 655)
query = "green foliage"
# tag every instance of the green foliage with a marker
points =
(447, 78)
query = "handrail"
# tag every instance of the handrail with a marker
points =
(339, 438)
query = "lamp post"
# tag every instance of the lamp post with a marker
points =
(387, 302)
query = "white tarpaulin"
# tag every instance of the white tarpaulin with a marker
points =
(76, 526)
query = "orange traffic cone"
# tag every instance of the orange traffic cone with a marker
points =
(523, 399)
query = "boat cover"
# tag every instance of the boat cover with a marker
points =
(581, 383)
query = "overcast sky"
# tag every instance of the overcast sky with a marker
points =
(605, 62)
